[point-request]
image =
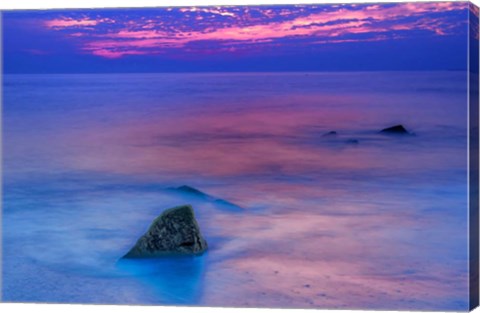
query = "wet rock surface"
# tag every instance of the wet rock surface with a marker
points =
(175, 231)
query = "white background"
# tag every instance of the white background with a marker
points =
(46, 4)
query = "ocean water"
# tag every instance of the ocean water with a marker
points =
(357, 220)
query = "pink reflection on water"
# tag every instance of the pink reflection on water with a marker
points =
(268, 137)
(314, 260)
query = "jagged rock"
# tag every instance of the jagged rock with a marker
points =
(397, 129)
(175, 231)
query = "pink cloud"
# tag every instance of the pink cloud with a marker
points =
(211, 10)
(141, 34)
(157, 35)
(69, 22)
(114, 55)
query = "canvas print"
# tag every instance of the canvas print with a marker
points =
(281, 156)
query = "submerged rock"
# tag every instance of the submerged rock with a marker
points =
(175, 231)
(196, 194)
(397, 129)
(191, 191)
(330, 134)
(352, 141)
(228, 205)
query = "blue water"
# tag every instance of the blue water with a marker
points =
(324, 222)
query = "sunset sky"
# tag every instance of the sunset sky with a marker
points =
(401, 36)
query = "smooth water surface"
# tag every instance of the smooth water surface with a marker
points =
(356, 220)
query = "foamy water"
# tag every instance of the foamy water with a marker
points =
(359, 220)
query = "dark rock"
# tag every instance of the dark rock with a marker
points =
(330, 134)
(175, 231)
(397, 129)
(191, 191)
